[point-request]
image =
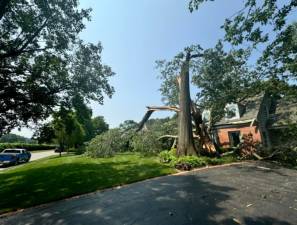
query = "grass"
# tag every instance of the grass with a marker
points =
(56, 178)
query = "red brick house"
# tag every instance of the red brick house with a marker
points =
(259, 115)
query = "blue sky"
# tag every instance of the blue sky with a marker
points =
(136, 33)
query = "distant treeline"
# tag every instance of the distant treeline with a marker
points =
(14, 138)
(29, 147)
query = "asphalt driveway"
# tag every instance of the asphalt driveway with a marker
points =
(250, 193)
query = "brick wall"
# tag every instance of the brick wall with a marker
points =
(224, 137)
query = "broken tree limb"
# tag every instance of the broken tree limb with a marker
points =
(160, 108)
(201, 130)
(168, 136)
(151, 109)
(227, 153)
(257, 156)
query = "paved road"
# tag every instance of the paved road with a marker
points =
(40, 155)
(252, 193)
(35, 156)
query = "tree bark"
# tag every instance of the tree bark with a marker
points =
(185, 145)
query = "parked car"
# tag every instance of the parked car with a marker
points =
(22, 155)
(59, 149)
(8, 159)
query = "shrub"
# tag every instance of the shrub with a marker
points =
(168, 156)
(189, 162)
(29, 147)
(105, 145)
(146, 142)
(214, 161)
(80, 150)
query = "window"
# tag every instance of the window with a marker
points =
(232, 111)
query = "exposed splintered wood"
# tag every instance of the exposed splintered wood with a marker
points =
(167, 136)
(257, 156)
(151, 109)
(160, 108)
(205, 142)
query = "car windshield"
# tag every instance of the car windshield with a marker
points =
(12, 151)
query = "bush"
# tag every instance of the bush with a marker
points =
(189, 162)
(80, 150)
(168, 156)
(29, 147)
(106, 144)
(146, 142)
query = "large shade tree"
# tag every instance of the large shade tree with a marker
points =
(176, 91)
(221, 77)
(268, 27)
(43, 63)
(224, 77)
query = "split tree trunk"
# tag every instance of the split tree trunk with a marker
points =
(185, 145)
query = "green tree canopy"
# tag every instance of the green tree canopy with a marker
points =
(128, 125)
(269, 28)
(68, 131)
(224, 77)
(45, 133)
(13, 138)
(99, 125)
(221, 77)
(43, 63)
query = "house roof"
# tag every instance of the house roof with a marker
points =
(249, 111)
(285, 113)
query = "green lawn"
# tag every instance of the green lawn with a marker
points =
(57, 178)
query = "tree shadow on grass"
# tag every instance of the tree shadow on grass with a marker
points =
(33, 186)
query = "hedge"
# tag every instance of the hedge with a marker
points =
(29, 147)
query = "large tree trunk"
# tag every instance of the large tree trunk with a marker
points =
(185, 145)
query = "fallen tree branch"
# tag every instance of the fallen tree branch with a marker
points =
(257, 156)
(168, 136)
(160, 108)
(151, 109)
(228, 153)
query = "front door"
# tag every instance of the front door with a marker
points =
(234, 138)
